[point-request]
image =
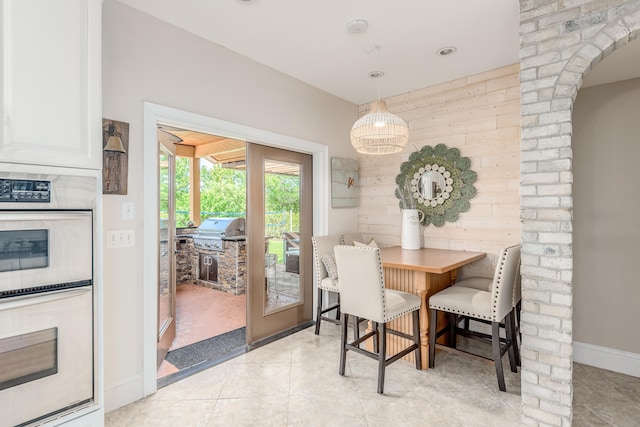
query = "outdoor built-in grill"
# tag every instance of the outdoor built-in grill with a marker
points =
(218, 259)
(212, 230)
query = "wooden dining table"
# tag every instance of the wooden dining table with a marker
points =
(422, 272)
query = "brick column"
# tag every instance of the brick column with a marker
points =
(560, 42)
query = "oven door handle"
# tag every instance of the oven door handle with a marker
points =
(44, 216)
(19, 302)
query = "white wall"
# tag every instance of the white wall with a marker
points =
(606, 232)
(147, 60)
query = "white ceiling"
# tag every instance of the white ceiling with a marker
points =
(309, 40)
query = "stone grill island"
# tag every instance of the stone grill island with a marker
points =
(224, 269)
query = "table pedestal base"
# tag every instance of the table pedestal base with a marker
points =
(424, 285)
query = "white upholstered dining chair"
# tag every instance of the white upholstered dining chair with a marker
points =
(484, 284)
(494, 305)
(363, 295)
(349, 238)
(326, 278)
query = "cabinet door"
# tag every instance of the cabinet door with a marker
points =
(50, 82)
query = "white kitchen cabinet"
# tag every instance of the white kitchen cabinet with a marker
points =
(50, 82)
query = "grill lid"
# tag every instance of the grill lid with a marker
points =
(221, 227)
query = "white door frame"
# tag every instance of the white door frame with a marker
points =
(154, 113)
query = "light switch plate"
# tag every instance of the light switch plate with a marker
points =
(129, 238)
(128, 210)
(111, 239)
(121, 239)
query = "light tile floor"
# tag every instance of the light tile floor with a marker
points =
(295, 382)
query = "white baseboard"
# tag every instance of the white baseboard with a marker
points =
(610, 359)
(123, 393)
(92, 419)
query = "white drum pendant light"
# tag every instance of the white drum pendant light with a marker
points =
(379, 131)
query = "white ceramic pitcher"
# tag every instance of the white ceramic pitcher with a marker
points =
(411, 219)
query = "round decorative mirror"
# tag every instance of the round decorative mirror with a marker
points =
(431, 185)
(438, 182)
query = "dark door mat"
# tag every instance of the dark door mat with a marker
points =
(208, 349)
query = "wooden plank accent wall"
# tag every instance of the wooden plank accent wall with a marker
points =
(480, 115)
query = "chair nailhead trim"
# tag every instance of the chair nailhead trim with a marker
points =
(503, 260)
(466, 313)
(494, 302)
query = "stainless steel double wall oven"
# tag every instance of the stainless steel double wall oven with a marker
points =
(47, 298)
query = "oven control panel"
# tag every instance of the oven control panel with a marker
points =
(25, 190)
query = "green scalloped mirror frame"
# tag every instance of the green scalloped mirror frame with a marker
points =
(448, 202)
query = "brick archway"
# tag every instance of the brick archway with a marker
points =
(550, 80)
(610, 38)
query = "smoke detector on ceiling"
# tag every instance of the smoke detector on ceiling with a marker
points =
(247, 1)
(357, 26)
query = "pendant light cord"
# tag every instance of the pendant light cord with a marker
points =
(379, 131)
(379, 70)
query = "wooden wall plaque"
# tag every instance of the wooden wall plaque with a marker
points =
(115, 165)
